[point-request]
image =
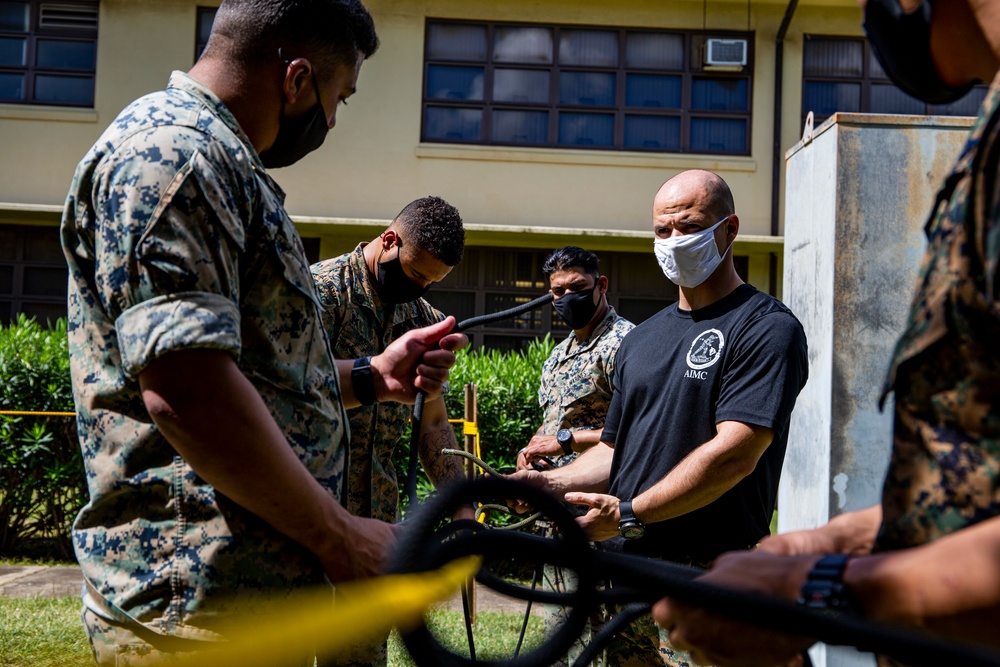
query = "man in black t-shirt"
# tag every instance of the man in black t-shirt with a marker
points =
(695, 436)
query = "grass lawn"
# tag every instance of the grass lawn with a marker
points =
(46, 632)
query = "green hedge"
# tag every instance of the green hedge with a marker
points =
(506, 400)
(42, 482)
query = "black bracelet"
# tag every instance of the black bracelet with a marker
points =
(364, 383)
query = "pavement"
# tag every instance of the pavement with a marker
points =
(20, 581)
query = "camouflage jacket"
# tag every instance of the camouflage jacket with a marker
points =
(577, 378)
(944, 474)
(176, 239)
(360, 325)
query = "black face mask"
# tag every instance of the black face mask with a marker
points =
(576, 308)
(902, 44)
(297, 137)
(394, 286)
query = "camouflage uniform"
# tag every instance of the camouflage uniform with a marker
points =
(944, 474)
(360, 325)
(576, 388)
(177, 239)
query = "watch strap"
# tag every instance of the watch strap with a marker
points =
(824, 586)
(363, 382)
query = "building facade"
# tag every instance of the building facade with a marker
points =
(545, 123)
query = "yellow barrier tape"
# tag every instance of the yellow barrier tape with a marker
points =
(470, 428)
(37, 414)
(364, 610)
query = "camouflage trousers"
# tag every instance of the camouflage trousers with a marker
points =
(115, 646)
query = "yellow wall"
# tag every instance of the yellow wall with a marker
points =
(373, 163)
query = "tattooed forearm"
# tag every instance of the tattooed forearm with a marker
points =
(441, 468)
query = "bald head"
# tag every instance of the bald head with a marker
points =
(696, 189)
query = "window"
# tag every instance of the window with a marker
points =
(493, 279)
(206, 16)
(48, 52)
(33, 273)
(582, 87)
(843, 74)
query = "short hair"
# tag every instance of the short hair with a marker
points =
(720, 197)
(572, 257)
(331, 32)
(434, 225)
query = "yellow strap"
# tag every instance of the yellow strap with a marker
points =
(364, 610)
(37, 414)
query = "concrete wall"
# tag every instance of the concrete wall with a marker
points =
(859, 192)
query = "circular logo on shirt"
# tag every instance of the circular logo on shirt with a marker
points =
(706, 349)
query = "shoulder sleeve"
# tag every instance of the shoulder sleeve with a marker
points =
(765, 372)
(167, 253)
(329, 287)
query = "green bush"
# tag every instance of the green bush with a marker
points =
(42, 482)
(506, 400)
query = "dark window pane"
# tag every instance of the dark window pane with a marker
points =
(11, 86)
(967, 106)
(521, 86)
(45, 281)
(521, 127)
(205, 19)
(14, 16)
(6, 279)
(648, 50)
(507, 343)
(640, 310)
(44, 313)
(717, 135)
(522, 45)
(524, 322)
(592, 48)
(875, 70)
(590, 88)
(460, 304)
(456, 42)
(719, 94)
(8, 243)
(64, 54)
(6, 312)
(64, 89)
(454, 83)
(651, 90)
(13, 51)
(887, 98)
(586, 129)
(833, 57)
(654, 132)
(453, 124)
(825, 99)
(41, 244)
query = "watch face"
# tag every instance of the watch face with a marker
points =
(563, 436)
(632, 531)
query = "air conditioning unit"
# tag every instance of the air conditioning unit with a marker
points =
(728, 53)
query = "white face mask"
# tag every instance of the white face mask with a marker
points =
(689, 260)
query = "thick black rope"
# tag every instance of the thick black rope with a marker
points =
(637, 581)
(418, 406)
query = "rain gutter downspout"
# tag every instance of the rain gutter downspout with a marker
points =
(778, 86)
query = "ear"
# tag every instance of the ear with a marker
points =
(732, 228)
(389, 239)
(298, 74)
(602, 285)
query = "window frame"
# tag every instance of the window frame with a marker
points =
(30, 70)
(692, 69)
(865, 81)
(20, 264)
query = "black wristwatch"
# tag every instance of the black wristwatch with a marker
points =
(629, 527)
(564, 437)
(824, 587)
(363, 382)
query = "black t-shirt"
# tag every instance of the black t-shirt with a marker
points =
(680, 373)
